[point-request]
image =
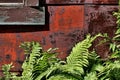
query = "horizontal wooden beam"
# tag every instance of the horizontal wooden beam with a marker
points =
(21, 16)
(11, 4)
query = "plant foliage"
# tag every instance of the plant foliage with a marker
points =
(73, 69)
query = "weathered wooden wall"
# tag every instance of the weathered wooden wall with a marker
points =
(67, 22)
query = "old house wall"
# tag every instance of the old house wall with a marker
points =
(66, 23)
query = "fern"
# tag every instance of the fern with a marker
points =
(114, 74)
(47, 73)
(80, 52)
(62, 77)
(32, 50)
(37, 61)
(6, 71)
(91, 76)
(7, 74)
(75, 63)
(44, 64)
(78, 58)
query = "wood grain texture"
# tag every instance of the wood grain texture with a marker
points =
(21, 16)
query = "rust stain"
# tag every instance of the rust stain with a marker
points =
(100, 19)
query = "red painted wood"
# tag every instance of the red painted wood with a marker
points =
(65, 17)
(63, 31)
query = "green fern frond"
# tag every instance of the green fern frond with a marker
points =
(62, 77)
(91, 76)
(80, 53)
(35, 52)
(112, 70)
(32, 50)
(78, 59)
(48, 72)
(44, 64)
(6, 71)
(72, 70)
(114, 74)
(41, 66)
(97, 67)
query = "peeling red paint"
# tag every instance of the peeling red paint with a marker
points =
(64, 17)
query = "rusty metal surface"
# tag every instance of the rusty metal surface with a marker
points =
(21, 16)
(81, 1)
(100, 19)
